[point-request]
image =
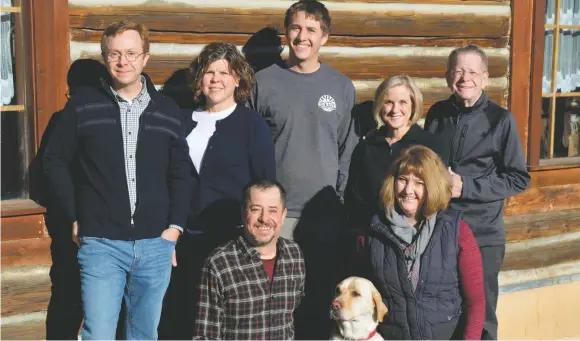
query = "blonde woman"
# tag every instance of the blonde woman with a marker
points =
(398, 106)
(423, 257)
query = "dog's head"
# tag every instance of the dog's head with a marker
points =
(356, 297)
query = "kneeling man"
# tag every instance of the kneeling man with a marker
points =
(251, 286)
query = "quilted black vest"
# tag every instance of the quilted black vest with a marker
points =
(431, 312)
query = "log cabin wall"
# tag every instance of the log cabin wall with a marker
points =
(370, 40)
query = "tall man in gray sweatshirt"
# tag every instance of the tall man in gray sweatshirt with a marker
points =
(308, 106)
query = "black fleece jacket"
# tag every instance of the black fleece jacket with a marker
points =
(370, 163)
(85, 164)
(483, 146)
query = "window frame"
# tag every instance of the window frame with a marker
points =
(45, 40)
(537, 96)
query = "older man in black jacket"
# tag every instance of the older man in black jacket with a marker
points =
(119, 166)
(485, 160)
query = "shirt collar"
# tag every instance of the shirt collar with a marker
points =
(142, 95)
(251, 251)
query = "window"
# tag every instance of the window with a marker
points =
(560, 105)
(17, 133)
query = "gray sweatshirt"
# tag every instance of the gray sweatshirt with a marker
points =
(312, 128)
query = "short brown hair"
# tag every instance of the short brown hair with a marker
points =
(427, 166)
(263, 184)
(472, 48)
(314, 9)
(237, 63)
(391, 82)
(122, 26)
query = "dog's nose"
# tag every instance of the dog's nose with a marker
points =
(335, 305)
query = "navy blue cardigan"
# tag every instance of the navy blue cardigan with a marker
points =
(241, 149)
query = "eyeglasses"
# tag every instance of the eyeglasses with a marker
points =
(131, 56)
(461, 73)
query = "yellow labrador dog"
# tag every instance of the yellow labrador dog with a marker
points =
(357, 309)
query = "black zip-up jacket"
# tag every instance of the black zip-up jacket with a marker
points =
(85, 164)
(370, 163)
(484, 148)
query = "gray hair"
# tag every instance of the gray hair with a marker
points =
(472, 48)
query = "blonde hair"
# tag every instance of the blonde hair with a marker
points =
(122, 26)
(391, 82)
(427, 166)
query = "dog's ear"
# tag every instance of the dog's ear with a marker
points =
(380, 307)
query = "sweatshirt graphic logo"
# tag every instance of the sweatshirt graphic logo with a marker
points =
(327, 103)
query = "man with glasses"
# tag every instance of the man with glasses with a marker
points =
(485, 158)
(119, 165)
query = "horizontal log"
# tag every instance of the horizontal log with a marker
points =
(266, 36)
(418, 20)
(438, 2)
(355, 63)
(545, 224)
(27, 329)
(22, 227)
(25, 290)
(25, 252)
(545, 199)
(18, 207)
(555, 177)
(542, 252)
(433, 90)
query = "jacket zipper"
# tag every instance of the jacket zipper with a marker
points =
(421, 271)
(137, 203)
(461, 143)
(451, 158)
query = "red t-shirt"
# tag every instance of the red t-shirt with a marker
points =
(269, 267)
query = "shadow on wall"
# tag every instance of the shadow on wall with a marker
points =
(64, 315)
(320, 234)
(363, 116)
(261, 50)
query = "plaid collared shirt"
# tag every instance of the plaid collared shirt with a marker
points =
(236, 299)
(130, 113)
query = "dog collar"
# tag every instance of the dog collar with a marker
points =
(373, 333)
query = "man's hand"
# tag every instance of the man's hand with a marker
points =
(172, 235)
(457, 184)
(75, 234)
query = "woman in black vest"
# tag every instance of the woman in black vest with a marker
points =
(423, 258)
(397, 108)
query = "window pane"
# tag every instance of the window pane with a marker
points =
(550, 13)
(566, 12)
(566, 126)
(568, 76)
(576, 19)
(548, 52)
(14, 155)
(545, 137)
(6, 56)
(16, 134)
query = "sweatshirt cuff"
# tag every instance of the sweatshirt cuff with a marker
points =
(465, 187)
(177, 227)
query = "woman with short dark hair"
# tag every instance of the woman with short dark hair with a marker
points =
(229, 146)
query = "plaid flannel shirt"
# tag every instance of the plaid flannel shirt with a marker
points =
(236, 299)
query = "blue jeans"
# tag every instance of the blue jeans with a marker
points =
(138, 270)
